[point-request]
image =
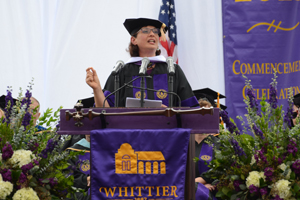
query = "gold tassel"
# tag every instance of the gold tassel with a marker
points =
(162, 32)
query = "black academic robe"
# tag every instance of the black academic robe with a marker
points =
(158, 81)
(81, 173)
(198, 147)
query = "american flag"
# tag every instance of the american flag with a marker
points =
(168, 16)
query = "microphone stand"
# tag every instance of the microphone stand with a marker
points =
(142, 91)
(171, 88)
(116, 87)
(125, 84)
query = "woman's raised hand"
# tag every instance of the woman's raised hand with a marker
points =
(92, 79)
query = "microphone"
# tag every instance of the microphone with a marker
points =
(125, 84)
(117, 67)
(143, 67)
(171, 67)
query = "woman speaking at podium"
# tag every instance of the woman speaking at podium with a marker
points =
(145, 34)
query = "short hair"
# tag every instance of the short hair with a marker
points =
(204, 103)
(2, 113)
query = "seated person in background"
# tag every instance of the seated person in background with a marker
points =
(204, 144)
(82, 173)
(296, 108)
(35, 104)
(2, 114)
(144, 42)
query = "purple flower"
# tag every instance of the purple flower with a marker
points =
(288, 115)
(258, 132)
(26, 101)
(7, 151)
(6, 175)
(273, 96)
(292, 147)
(277, 198)
(268, 172)
(26, 119)
(36, 162)
(238, 150)
(296, 167)
(26, 168)
(9, 102)
(236, 185)
(263, 191)
(33, 146)
(231, 126)
(49, 148)
(53, 182)
(22, 178)
(253, 189)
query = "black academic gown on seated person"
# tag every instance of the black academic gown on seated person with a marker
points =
(80, 178)
(210, 139)
(159, 81)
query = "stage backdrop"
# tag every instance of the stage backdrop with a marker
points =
(260, 37)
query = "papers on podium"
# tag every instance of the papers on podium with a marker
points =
(136, 103)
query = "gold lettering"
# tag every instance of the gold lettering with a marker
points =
(263, 92)
(233, 67)
(281, 94)
(125, 191)
(292, 68)
(267, 68)
(296, 89)
(139, 188)
(244, 89)
(285, 68)
(131, 191)
(257, 93)
(286, 91)
(173, 191)
(251, 70)
(112, 193)
(278, 68)
(165, 190)
(260, 69)
(157, 191)
(296, 66)
(273, 68)
(243, 65)
(150, 187)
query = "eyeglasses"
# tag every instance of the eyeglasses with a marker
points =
(148, 30)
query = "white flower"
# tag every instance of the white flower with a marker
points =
(6, 188)
(283, 168)
(253, 178)
(282, 188)
(21, 157)
(25, 194)
(252, 160)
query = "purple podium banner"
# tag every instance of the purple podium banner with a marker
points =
(138, 164)
(260, 36)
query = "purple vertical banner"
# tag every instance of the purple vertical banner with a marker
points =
(136, 164)
(260, 36)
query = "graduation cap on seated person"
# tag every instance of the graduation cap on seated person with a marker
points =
(297, 100)
(209, 95)
(88, 102)
(135, 24)
(2, 102)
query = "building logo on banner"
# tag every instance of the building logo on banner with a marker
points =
(138, 95)
(129, 161)
(162, 94)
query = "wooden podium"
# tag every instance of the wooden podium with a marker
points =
(199, 120)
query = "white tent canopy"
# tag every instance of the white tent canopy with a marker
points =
(55, 41)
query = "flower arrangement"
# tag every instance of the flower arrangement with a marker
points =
(265, 165)
(32, 165)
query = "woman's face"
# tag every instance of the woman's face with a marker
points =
(147, 42)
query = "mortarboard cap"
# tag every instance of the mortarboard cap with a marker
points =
(209, 94)
(223, 107)
(134, 25)
(2, 102)
(297, 99)
(88, 102)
